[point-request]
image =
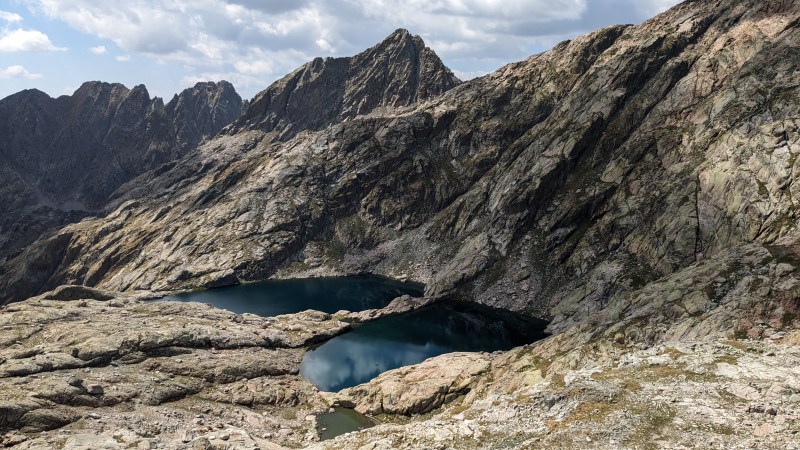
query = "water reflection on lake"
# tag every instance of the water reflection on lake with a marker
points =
(392, 342)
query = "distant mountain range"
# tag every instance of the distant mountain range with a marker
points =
(62, 158)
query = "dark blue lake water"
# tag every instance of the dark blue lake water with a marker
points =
(375, 347)
(275, 297)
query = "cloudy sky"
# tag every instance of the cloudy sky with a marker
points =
(168, 45)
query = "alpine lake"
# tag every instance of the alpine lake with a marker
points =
(372, 348)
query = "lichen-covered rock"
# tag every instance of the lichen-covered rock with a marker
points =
(77, 292)
(721, 394)
(150, 369)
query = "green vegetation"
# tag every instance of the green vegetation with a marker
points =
(655, 419)
(334, 249)
(787, 319)
(289, 414)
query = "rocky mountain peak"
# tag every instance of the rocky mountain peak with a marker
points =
(398, 71)
(203, 110)
(400, 37)
(89, 87)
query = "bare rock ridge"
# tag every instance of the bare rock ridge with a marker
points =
(397, 72)
(63, 157)
(102, 129)
(199, 113)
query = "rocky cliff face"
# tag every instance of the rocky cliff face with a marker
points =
(399, 71)
(200, 112)
(62, 158)
(553, 184)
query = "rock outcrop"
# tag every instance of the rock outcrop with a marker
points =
(728, 394)
(62, 158)
(416, 389)
(116, 368)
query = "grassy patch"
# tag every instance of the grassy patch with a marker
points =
(740, 334)
(762, 188)
(298, 266)
(557, 380)
(674, 353)
(654, 419)
(738, 345)
(726, 430)
(289, 414)
(591, 412)
(727, 359)
(628, 383)
(400, 419)
(334, 249)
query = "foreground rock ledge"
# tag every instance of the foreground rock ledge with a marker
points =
(120, 373)
(691, 394)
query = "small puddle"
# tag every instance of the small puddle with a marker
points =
(341, 421)
(276, 297)
(395, 341)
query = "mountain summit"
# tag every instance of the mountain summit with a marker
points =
(399, 71)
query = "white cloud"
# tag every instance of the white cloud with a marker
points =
(254, 67)
(20, 40)
(238, 79)
(10, 17)
(123, 58)
(218, 35)
(653, 7)
(504, 10)
(99, 50)
(19, 72)
(257, 41)
(468, 75)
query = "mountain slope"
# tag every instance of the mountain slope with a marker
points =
(554, 185)
(67, 155)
